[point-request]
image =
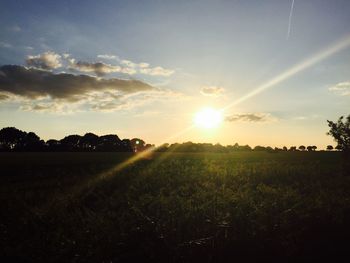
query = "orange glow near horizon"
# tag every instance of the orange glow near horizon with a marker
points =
(209, 118)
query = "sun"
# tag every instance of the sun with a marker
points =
(208, 118)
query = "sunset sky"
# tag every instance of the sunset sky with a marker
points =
(145, 68)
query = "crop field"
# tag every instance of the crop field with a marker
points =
(174, 207)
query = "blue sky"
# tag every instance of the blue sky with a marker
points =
(193, 54)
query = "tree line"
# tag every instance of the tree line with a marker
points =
(13, 139)
(208, 147)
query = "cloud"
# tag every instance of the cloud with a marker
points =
(144, 68)
(4, 97)
(66, 55)
(156, 71)
(212, 91)
(106, 56)
(35, 83)
(250, 117)
(45, 91)
(143, 65)
(130, 67)
(125, 66)
(5, 45)
(99, 68)
(47, 61)
(343, 88)
(15, 28)
(306, 117)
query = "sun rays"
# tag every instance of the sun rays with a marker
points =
(210, 118)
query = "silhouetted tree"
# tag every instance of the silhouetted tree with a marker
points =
(245, 148)
(70, 143)
(32, 142)
(53, 145)
(163, 148)
(88, 142)
(109, 143)
(269, 149)
(259, 148)
(302, 148)
(12, 138)
(137, 144)
(329, 147)
(293, 148)
(285, 148)
(310, 148)
(235, 146)
(340, 131)
(126, 145)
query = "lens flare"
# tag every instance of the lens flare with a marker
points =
(208, 118)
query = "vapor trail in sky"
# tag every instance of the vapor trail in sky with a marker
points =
(290, 19)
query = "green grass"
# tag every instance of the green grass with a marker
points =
(175, 207)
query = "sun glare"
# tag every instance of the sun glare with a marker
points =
(208, 118)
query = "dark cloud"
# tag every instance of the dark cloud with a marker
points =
(34, 84)
(47, 61)
(250, 117)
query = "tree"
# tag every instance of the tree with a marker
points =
(310, 148)
(137, 144)
(302, 148)
(340, 131)
(259, 148)
(70, 142)
(329, 147)
(88, 142)
(110, 143)
(126, 145)
(293, 148)
(12, 138)
(32, 142)
(53, 145)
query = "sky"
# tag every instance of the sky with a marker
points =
(144, 69)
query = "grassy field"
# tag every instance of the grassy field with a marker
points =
(173, 207)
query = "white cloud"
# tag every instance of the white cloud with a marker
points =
(128, 63)
(125, 66)
(99, 68)
(143, 65)
(47, 61)
(342, 88)
(66, 55)
(157, 71)
(106, 56)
